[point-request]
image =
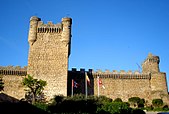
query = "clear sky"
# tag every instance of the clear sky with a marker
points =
(106, 34)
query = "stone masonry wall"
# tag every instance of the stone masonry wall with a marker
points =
(123, 88)
(159, 87)
(12, 78)
(123, 84)
(48, 61)
(13, 86)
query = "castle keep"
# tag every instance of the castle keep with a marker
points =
(49, 50)
(48, 54)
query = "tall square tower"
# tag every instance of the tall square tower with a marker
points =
(49, 50)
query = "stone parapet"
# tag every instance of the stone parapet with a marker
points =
(49, 27)
(13, 72)
(122, 76)
(19, 68)
(115, 74)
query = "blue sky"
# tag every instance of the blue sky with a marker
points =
(106, 34)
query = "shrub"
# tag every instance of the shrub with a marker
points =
(104, 99)
(75, 104)
(41, 106)
(136, 102)
(138, 111)
(58, 99)
(141, 103)
(118, 100)
(114, 108)
(149, 108)
(165, 108)
(157, 102)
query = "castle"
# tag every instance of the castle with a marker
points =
(49, 50)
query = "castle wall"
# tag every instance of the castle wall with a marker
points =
(116, 84)
(121, 84)
(123, 88)
(12, 78)
(159, 82)
(159, 87)
(13, 86)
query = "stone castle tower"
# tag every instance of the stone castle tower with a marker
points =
(151, 64)
(49, 50)
(158, 79)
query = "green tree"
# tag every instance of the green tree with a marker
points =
(35, 87)
(1, 83)
(157, 102)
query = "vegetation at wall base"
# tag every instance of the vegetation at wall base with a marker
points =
(92, 105)
(79, 104)
(157, 102)
(136, 102)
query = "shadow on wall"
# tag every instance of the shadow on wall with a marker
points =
(76, 82)
(7, 98)
(10, 105)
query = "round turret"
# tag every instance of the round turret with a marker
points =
(66, 31)
(34, 18)
(67, 19)
(33, 29)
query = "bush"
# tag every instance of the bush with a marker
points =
(114, 108)
(104, 99)
(141, 103)
(157, 102)
(136, 102)
(157, 109)
(165, 108)
(149, 108)
(58, 99)
(41, 106)
(75, 104)
(138, 111)
(118, 100)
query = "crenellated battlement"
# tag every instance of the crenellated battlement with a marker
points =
(152, 58)
(151, 64)
(38, 28)
(122, 74)
(49, 27)
(116, 72)
(19, 68)
(13, 70)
